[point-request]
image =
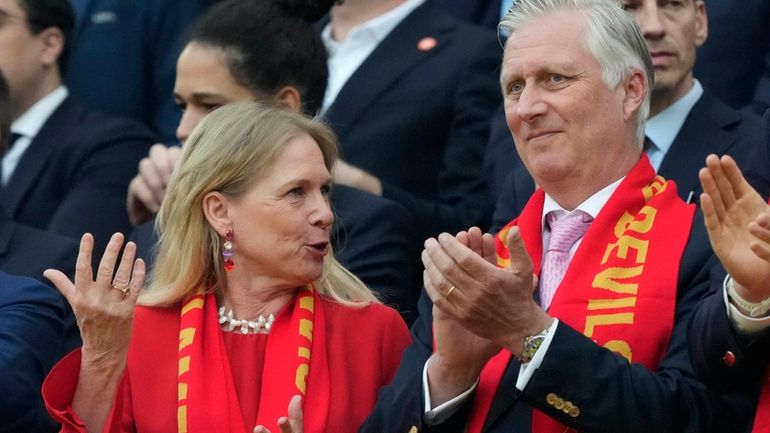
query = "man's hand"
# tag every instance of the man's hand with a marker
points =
(147, 189)
(493, 303)
(737, 218)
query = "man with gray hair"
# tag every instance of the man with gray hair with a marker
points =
(574, 317)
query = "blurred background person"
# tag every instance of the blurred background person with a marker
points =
(246, 307)
(67, 169)
(411, 92)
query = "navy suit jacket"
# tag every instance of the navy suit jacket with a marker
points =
(123, 55)
(74, 176)
(710, 127)
(733, 63)
(419, 120)
(712, 336)
(27, 251)
(613, 396)
(374, 238)
(31, 341)
(482, 12)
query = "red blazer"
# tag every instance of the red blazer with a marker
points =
(372, 338)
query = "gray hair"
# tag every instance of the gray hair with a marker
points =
(611, 35)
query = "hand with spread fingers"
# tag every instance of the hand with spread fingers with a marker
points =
(737, 220)
(288, 424)
(103, 307)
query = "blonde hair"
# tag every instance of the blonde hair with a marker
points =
(225, 152)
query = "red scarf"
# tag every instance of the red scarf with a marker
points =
(207, 399)
(762, 417)
(620, 287)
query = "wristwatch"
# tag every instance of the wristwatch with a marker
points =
(531, 344)
(755, 309)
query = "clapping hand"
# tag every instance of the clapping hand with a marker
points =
(737, 220)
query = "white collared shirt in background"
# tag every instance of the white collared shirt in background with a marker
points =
(28, 125)
(347, 55)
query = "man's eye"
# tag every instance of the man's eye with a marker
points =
(516, 87)
(556, 78)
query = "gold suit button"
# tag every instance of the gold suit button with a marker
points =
(559, 403)
(413, 429)
(550, 398)
(574, 412)
(567, 406)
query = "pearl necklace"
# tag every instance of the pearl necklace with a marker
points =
(228, 322)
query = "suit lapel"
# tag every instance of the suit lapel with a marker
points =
(35, 160)
(703, 132)
(392, 58)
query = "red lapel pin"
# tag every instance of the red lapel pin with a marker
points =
(426, 44)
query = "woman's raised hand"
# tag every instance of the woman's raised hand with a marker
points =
(103, 306)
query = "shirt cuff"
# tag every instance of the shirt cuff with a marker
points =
(445, 410)
(527, 370)
(745, 325)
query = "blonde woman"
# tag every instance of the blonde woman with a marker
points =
(246, 307)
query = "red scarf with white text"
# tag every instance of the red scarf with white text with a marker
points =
(206, 397)
(620, 287)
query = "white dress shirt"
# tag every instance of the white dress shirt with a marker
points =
(28, 125)
(592, 206)
(347, 55)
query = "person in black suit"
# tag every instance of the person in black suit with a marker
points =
(487, 356)
(410, 93)
(481, 12)
(687, 122)
(31, 341)
(372, 236)
(734, 63)
(67, 168)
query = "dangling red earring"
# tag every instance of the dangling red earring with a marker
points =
(227, 251)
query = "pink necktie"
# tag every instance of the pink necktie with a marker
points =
(565, 231)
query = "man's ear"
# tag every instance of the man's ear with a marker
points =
(216, 210)
(289, 98)
(701, 23)
(52, 40)
(635, 90)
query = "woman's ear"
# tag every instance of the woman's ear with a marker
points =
(215, 209)
(289, 98)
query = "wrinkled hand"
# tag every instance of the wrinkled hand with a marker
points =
(148, 187)
(734, 214)
(290, 424)
(493, 303)
(354, 177)
(104, 306)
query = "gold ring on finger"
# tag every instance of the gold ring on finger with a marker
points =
(123, 290)
(449, 292)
